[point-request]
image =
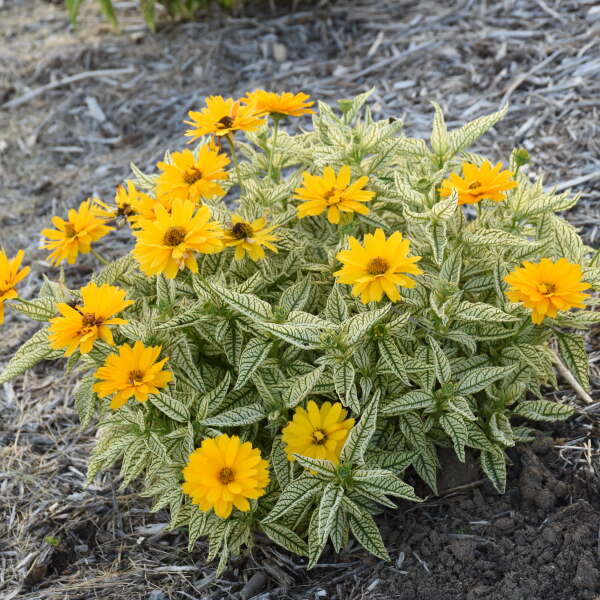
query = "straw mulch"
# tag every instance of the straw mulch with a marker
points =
(77, 106)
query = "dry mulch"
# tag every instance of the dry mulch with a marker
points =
(77, 106)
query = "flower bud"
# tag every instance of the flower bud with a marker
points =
(423, 185)
(520, 156)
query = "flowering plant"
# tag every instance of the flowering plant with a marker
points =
(285, 365)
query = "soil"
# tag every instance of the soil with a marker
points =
(538, 541)
(61, 540)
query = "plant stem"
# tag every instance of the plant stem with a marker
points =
(236, 162)
(273, 146)
(101, 258)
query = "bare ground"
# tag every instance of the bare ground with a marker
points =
(62, 140)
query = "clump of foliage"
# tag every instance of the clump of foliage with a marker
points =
(282, 367)
(176, 9)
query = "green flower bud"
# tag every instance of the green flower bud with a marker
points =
(379, 330)
(423, 185)
(344, 105)
(520, 156)
(344, 472)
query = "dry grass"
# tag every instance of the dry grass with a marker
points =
(64, 136)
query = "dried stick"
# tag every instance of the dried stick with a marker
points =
(71, 79)
(566, 374)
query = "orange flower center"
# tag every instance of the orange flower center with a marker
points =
(192, 175)
(90, 319)
(226, 475)
(547, 288)
(332, 196)
(319, 437)
(474, 184)
(135, 377)
(70, 230)
(242, 231)
(174, 236)
(377, 266)
(125, 210)
(225, 123)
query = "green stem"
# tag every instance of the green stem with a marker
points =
(273, 146)
(101, 258)
(595, 257)
(236, 162)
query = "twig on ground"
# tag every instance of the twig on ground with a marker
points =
(66, 81)
(566, 374)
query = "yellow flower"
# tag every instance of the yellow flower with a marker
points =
(133, 372)
(145, 209)
(169, 243)
(126, 199)
(333, 194)
(82, 227)
(293, 105)
(547, 287)
(222, 116)
(317, 432)
(223, 473)
(379, 267)
(10, 274)
(127, 203)
(80, 326)
(479, 183)
(249, 237)
(191, 178)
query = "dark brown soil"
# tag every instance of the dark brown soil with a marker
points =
(537, 542)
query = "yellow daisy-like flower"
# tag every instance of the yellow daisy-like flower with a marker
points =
(133, 372)
(127, 203)
(145, 209)
(10, 274)
(82, 227)
(286, 104)
(378, 268)
(250, 237)
(170, 243)
(333, 193)
(317, 432)
(479, 183)
(191, 178)
(126, 199)
(223, 116)
(223, 473)
(547, 287)
(80, 326)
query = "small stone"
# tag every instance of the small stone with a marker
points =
(255, 585)
(550, 535)
(542, 445)
(504, 523)
(593, 14)
(279, 52)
